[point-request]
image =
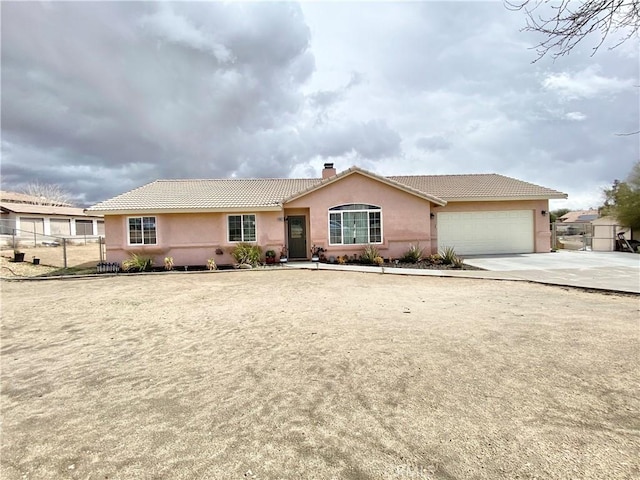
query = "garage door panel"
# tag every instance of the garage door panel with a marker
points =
(60, 226)
(32, 225)
(476, 233)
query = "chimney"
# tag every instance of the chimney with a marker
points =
(328, 171)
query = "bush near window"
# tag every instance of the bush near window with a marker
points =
(137, 263)
(369, 255)
(247, 254)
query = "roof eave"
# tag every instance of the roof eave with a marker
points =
(155, 211)
(507, 198)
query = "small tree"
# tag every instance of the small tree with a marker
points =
(556, 214)
(622, 200)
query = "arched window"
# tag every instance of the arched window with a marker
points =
(355, 223)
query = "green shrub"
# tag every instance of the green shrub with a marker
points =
(369, 255)
(413, 255)
(137, 263)
(247, 254)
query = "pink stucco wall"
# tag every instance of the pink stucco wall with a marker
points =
(405, 217)
(190, 238)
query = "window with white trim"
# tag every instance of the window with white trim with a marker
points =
(142, 230)
(242, 228)
(355, 224)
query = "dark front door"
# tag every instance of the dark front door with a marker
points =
(297, 237)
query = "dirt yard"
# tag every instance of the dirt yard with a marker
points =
(77, 255)
(316, 375)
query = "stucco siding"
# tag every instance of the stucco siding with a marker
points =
(405, 217)
(190, 238)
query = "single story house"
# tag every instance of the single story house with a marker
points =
(193, 220)
(23, 215)
(579, 216)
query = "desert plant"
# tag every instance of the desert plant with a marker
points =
(413, 255)
(168, 263)
(378, 260)
(449, 257)
(247, 254)
(434, 259)
(342, 259)
(369, 255)
(137, 263)
(211, 264)
(270, 254)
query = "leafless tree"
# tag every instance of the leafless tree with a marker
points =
(566, 23)
(48, 194)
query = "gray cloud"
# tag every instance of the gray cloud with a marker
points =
(433, 143)
(178, 86)
(372, 140)
(104, 96)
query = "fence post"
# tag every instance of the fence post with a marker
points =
(100, 240)
(64, 252)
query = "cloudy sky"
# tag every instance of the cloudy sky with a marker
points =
(104, 97)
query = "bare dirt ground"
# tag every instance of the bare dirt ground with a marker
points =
(316, 375)
(77, 255)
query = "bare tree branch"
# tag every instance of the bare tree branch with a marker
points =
(48, 194)
(569, 22)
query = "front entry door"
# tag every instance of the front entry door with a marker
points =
(297, 236)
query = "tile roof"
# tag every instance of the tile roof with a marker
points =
(18, 197)
(577, 216)
(28, 208)
(171, 195)
(270, 193)
(487, 186)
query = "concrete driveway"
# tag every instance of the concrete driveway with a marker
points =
(616, 271)
(610, 271)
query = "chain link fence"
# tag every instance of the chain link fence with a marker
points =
(571, 236)
(65, 252)
(587, 236)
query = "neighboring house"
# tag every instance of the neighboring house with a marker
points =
(192, 220)
(579, 216)
(23, 215)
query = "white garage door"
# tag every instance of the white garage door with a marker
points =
(60, 226)
(31, 225)
(478, 233)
